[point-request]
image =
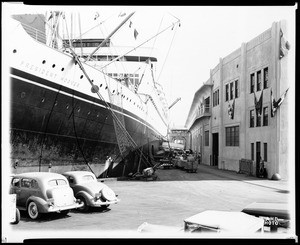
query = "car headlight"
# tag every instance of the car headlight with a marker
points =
(97, 196)
(50, 201)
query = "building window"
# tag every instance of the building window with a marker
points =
(251, 83)
(206, 138)
(236, 85)
(265, 113)
(252, 151)
(266, 78)
(231, 90)
(265, 152)
(251, 118)
(232, 136)
(216, 98)
(207, 103)
(258, 82)
(258, 120)
(227, 92)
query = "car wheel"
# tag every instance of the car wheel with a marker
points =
(18, 217)
(85, 207)
(65, 212)
(33, 211)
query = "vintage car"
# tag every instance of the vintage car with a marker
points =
(275, 215)
(224, 222)
(91, 192)
(43, 192)
(14, 212)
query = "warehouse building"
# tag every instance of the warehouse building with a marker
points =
(239, 118)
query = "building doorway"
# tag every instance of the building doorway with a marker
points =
(258, 155)
(215, 149)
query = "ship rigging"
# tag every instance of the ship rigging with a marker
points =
(124, 109)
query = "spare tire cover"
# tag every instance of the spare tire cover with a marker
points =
(108, 194)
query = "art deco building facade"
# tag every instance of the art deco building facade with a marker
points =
(242, 110)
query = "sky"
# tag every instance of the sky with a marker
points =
(188, 52)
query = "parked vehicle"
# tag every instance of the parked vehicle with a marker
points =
(229, 222)
(14, 212)
(91, 192)
(224, 222)
(275, 215)
(43, 192)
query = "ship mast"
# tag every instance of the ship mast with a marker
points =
(112, 33)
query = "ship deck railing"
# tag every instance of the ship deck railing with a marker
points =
(35, 33)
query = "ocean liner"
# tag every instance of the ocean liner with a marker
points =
(71, 109)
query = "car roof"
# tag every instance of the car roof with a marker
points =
(226, 220)
(40, 175)
(268, 209)
(78, 173)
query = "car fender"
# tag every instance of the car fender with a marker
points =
(85, 195)
(40, 202)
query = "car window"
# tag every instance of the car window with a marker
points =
(34, 184)
(61, 182)
(71, 180)
(56, 182)
(88, 178)
(26, 183)
(15, 182)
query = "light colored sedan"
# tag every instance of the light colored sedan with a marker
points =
(43, 192)
(91, 192)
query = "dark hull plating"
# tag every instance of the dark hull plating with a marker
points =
(53, 124)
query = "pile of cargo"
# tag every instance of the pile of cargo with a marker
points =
(187, 162)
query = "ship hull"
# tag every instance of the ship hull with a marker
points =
(51, 126)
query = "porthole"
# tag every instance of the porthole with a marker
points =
(100, 85)
(23, 95)
(53, 65)
(89, 113)
(113, 91)
(62, 69)
(134, 103)
(130, 100)
(67, 106)
(43, 100)
(97, 115)
(44, 61)
(118, 93)
(14, 51)
(55, 104)
(127, 98)
(81, 76)
(106, 87)
(78, 110)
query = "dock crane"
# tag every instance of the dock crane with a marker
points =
(179, 98)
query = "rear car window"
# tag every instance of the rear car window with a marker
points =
(87, 178)
(55, 182)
